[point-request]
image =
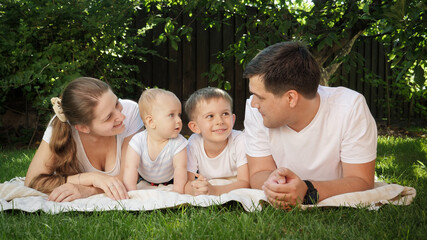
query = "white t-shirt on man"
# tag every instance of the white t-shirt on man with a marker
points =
(343, 130)
(132, 122)
(222, 166)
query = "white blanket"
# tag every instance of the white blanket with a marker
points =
(14, 195)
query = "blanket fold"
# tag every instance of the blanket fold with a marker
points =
(14, 195)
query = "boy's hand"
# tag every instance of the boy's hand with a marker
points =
(201, 186)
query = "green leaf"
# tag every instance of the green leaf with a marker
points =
(174, 44)
(227, 85)
(419, 76)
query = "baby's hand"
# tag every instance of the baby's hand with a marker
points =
(200, 186)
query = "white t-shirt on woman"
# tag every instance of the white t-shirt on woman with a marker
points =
(132, 123)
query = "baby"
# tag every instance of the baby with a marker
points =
(215, 150)
(158, 154)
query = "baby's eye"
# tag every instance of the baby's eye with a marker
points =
(226, 114)
(171, 115)
(209, 116)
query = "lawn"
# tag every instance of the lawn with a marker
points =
(400, 160)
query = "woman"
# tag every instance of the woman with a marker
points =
(83, 144)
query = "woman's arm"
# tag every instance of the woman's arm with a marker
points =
(40, 165)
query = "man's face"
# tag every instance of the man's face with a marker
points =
(273, 108)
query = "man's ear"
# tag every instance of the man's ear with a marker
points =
(150, 121)
(292, 98)
(192, 125)
(82, 128)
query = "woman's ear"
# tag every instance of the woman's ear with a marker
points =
(82, 128)
(192, 125)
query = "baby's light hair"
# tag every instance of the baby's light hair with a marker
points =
(205, 94)
(148, 98)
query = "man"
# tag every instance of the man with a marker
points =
(304, 142)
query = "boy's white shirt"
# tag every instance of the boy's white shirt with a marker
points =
(222, 166)
(343, 130)
(132, 122)
(161, 169)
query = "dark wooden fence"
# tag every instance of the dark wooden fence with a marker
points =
(184, 75)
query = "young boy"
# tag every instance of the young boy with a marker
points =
(158, 153)
(215, 150)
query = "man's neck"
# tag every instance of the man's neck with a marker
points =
(307, 110)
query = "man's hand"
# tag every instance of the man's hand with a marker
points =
(284, 188)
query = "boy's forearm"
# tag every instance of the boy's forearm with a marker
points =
(220, 189)
(257, 179)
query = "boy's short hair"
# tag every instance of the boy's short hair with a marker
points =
(148, 98)
(205, 94)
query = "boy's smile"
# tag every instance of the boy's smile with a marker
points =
(214, 120)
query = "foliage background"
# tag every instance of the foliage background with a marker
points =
(46, 44)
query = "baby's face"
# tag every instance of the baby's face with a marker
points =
(215, 119)
(166, 114)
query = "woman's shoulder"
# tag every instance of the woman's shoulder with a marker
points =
(127, 103)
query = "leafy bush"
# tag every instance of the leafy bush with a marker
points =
(46, 44)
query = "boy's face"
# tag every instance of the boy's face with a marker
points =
(214, 120)
(166, 116)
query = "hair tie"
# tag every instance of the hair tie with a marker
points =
(56, 102)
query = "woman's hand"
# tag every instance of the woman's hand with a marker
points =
(69, 192)
(111, 185)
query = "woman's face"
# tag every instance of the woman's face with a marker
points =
(108, 119)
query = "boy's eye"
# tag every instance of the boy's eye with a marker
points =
(209, 116)
(226, 114)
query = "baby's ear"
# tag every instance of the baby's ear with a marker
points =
(150, 122)
(192, 125)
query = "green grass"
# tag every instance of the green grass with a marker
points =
(400, 160)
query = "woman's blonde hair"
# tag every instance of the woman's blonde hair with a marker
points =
(79, 99)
